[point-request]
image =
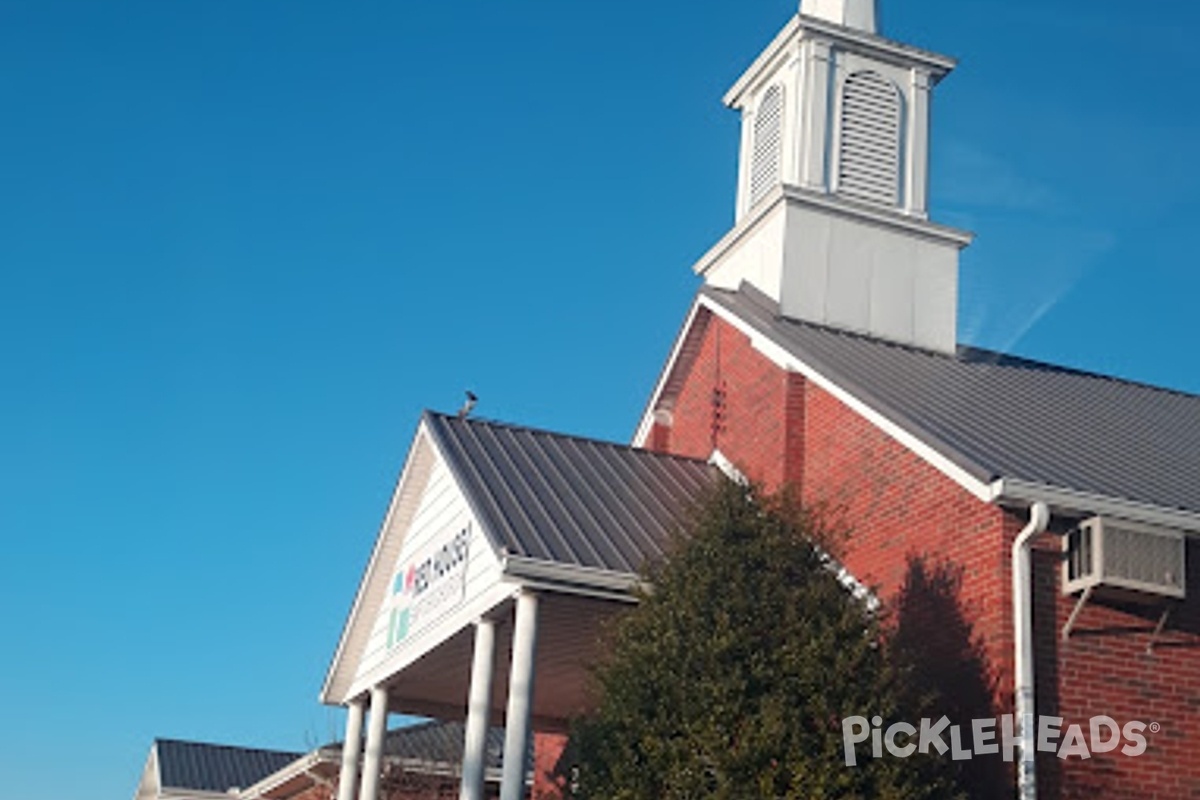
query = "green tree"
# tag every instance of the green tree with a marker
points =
(731, 677)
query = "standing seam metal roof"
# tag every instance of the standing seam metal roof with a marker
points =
(198, 766)
(434, 743)
(215, 767)
(567, 499)
(999, 416)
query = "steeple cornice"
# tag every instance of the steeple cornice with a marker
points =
(802, 26)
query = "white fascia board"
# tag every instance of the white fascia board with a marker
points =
(1015, 490)
(356, 609)
(572, 579)
(177, 793)
(643, 429)
(785, 360)
(790, 32)
(298, 767)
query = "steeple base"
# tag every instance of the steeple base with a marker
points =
(834, 262)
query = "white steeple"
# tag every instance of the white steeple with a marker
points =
(832, 208)
(858, 14)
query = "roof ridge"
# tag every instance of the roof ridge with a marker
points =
(513, 426)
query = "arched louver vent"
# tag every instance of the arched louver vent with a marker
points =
(768, 144)
(869, 155)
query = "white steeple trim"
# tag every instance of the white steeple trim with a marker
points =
(859, 14)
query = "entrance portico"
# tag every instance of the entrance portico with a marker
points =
(503, 553)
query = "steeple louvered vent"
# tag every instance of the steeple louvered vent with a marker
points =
(869, 154)
(767, 159)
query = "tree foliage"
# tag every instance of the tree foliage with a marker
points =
(731, 677)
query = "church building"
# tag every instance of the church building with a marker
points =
(1035, 525)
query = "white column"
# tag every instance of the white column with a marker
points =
(791, 171)
(373, 758)
(520, 699)
(745, 156)
(916, 166)
(479, 712)
(351, 750)
(815, 99)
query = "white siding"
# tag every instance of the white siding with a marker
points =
(442, 513)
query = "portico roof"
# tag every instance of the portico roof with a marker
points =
(568, 500)
(492, 509)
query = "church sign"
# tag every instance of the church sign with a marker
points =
(426, 587)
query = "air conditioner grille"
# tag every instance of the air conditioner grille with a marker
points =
(1141, 557)
(1105, 552)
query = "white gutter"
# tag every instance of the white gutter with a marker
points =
(573, 579)
(1023, 653)
(1074, 501)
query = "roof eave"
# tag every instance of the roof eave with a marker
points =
(1007, 491)
(574, 579)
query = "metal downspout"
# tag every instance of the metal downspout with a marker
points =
(1023, 653)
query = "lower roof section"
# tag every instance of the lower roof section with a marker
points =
(203, 767)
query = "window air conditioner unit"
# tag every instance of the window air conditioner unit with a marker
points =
(1105, 552)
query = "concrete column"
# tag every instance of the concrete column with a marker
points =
(520, 699)
(479, 712)
(373, 759)
(351, 750)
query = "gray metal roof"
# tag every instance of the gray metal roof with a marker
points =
(215, 767)
(566, 499)
(435, 743)
(999, 416)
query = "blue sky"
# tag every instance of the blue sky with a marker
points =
(242, 244)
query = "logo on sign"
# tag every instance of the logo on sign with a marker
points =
(427, 587)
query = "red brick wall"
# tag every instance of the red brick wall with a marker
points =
(902, 514)
(941, 561)
(736, 400)
(1105, 668)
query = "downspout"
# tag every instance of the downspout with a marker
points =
(1023, 653)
